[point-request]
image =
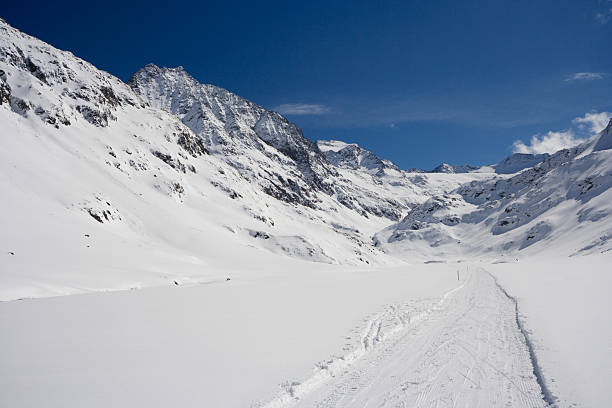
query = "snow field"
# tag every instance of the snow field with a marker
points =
(230, 343)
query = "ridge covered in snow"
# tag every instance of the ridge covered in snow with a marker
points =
(231, 124)
(354, 157)
(510, 165)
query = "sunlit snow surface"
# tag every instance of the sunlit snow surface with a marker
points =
(216, 257)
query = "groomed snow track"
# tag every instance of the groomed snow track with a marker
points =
(466, 350)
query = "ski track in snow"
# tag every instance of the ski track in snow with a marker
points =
(465, 350)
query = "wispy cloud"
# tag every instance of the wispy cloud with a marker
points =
(586, 76)
(593, 122)
(550, 142)
(301, 109)
(604, 16)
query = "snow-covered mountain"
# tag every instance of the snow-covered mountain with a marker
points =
(110, 185)
(510, 165)
(563, 202)
(98, 182)
(272, 153)
(351, 156)
(519, 161)
(373, 179)
(168, 179)
(253, 139)
(447, 168)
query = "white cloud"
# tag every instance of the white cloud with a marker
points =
(301, 109)
(547, 143)
(586, 76)
(595, 122)
(550, 142)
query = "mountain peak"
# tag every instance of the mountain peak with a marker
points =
(229, 123)
(353, 156)
(605, 138)
(153, 70)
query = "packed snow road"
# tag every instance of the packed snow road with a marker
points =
(466, 350)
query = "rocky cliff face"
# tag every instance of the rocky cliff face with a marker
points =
(351, 156)
(61, 88)
(254, 139)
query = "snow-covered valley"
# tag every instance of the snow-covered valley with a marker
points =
(167, 242)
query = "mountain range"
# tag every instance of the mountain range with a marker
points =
(175, 180)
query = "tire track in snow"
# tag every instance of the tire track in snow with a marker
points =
(550, 399)
(406, 316)
(466, 350)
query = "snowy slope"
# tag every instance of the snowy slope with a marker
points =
(519, 161)
(104, 191)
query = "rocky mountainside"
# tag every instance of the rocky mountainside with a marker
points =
(250, 136)
(351, 156)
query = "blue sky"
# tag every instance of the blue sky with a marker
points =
(418, 82)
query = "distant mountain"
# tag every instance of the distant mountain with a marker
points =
(565, 201)
(448, 169)
(519, 161)
(351, 156)
(510, 165)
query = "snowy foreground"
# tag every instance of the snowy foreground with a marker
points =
(408, 336)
